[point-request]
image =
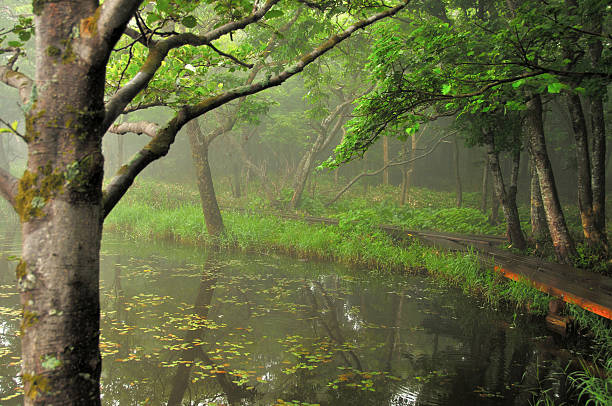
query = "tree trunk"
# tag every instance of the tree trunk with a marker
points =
(507, 198)
(598, 126)
(404, 169)
(539, 228)
(559, 234)
(385, 143)
(458, 189)
(236, 171)
(494, 217)
(60, 207)
(585, 192)
(199, 153)
(324, 136)
(410, 168)
(120, 150)
(485, 185)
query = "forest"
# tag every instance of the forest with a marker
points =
(305, 202)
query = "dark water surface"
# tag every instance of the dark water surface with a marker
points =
(182, 326)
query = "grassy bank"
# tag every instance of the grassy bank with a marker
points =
(149, 212)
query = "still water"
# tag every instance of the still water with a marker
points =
(183, 326)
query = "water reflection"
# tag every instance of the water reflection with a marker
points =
(182, 326)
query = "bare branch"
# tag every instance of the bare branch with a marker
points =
(9, 186)
(140, 127)
(143, 106)
(388, 165)
(136, 36)
(14, 131)
(233, 58)
(160, 144)
(17, 80)
(158, 53)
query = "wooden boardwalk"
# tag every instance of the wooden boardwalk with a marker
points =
(589, 290)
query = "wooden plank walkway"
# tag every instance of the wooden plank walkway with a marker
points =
(589, 290)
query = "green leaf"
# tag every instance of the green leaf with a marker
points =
(273, 14)
(555, 87)
(50, 363)
(163, 5)
(25, 35)
(152, 17)
(518, 83)
(189, 21)
(446, 89)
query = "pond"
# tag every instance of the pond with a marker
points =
(185, 326)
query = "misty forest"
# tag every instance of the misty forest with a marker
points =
(305, 202)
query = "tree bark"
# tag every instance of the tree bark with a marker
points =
(60, 208)
(385, 143)
(484, 186)
(199, 152)
(534, 126)
(120, 150)
(591, 233)
(404, 168)
(506, 197)
(494, 216)
(410, 168)
(324, 136)
(598, 126)
(539, 227)
(458, 189)
(236, 171)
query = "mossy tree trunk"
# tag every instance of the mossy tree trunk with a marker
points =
(598, 126)
(385, 144)
(199, 153)
(59, 201)
(484, 185)
(592, 234)
(458, 188)
(539, 227)
(506, 196)
(559, 234)
(325, 133)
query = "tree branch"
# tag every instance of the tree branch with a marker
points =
(228, 56)
(216, 101)
(159, 51)
(388, 165)
(113, 19)
(143, 106)
(140, 127)
(160, 144)
(9, 186)
(14, 131)
(17, 80)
